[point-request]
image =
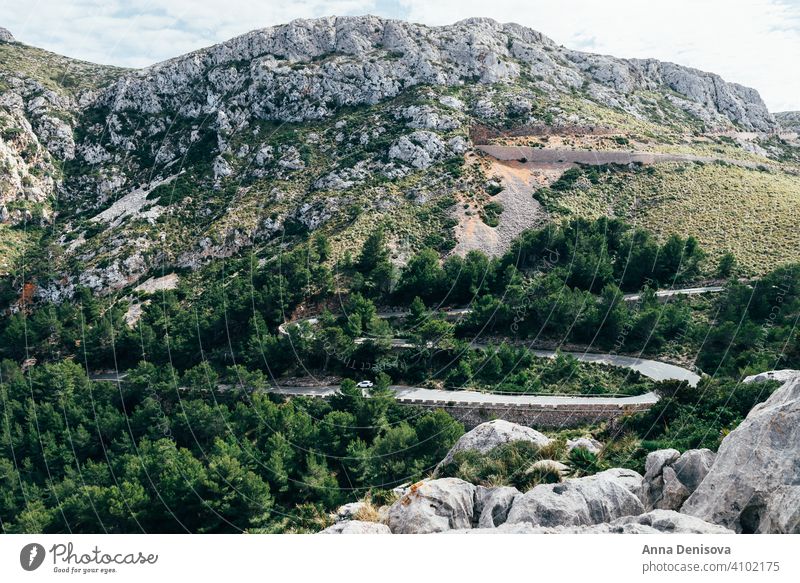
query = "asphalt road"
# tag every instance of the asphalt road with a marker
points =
(653, 369)
(413, 394)
(668, 293)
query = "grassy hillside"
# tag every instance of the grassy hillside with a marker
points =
(748, 212)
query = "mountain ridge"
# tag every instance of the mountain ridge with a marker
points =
(224, 148)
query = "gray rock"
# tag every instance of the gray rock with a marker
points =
(420, 149)
(656, 460)
(589, 444)
(348, 511)
(479, 49)
(6, 36)
(653, 522)
(582, 501)
(356, 527)
(486, 436)
(670, 477)
(653, 482)
(756, 459)
(434, 506)
(492, 505)
(693, 466)
(669, 521)
(673, 492)
(789, 120)
(782, 511)
(782, 376)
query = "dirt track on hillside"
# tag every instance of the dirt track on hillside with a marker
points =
(520, 210)
(566, 157)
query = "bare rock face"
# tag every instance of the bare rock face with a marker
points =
(788, 120)
(670, 477)
(6, 36)
(486, 436)
(693, 466)
(594, 499)
(356, 527)
(492, 505)
(434, 506)
(782, 511)
(756, 460)
(654, 522)
(668, 521)
(411, 54)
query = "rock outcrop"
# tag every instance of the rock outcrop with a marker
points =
(433, 506)
(788, 121)
(356, 527)
(348, 511)
(670, 477)
(404, 55)
(206, 113)
(492, 505)
(754, 463)
(6, 36)
(594, 499)
(654, 522)
(486, 436)
(780, 376)
(781, 511)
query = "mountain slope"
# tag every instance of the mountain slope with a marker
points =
(788, 120)
(334, 124)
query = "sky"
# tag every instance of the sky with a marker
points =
(753, 42)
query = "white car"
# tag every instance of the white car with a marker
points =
(365, 385)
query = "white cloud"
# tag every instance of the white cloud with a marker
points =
(753, 42)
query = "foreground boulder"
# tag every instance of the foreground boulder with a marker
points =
(782, 515)
(582, 501)
(434, 506)
(754, 462)
(349, 511)
(356, 527)
(654, 522)
(670, 477)
(486, 436)
(492, 505)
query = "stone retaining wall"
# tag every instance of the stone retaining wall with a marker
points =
(539, 416)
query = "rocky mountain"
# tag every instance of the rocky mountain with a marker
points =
(331, 124)
(788, 120)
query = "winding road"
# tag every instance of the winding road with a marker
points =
(653, 369)
(668, 293)
(406, 394)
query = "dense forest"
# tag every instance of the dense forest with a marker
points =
(187, 440)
